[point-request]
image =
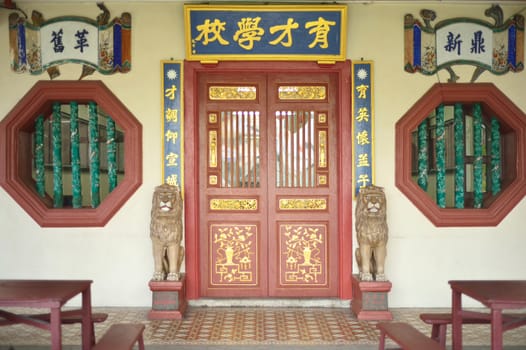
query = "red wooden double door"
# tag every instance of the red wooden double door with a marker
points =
(268, 184)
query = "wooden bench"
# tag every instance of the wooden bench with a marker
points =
(405, 335)
(121, 336)
(439, 322)
(71, 317)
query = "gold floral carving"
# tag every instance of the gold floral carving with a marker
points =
(212, 180)
(302, 203)
(302, 93)
(303, 254)
(233, 204)
(212, 118)
(322, 148)
(232, 92)
(234, 252)
(212, 148)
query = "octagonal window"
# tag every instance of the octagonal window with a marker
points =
(71, 153)
(460, 152)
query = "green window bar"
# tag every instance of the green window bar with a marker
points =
(112, 153)
(440, 158)
(40, 170)
(59, 168)
(459, 155)
(56, 134)
(477, 152)
(422, 155)
(94, 154)
(76, 183)
(496, 169)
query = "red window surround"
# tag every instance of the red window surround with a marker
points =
(15, 152)
(513, 161)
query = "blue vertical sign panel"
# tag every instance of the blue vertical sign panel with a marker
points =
(363, 132)
(172, 121)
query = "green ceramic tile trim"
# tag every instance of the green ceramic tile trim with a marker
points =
(477, 150)
(39, 156)
(422, 155)
(94, 155)
(440, 157)
(112, 154)
(496, 168)
(56, 132)
(460, 174)
(76, 185)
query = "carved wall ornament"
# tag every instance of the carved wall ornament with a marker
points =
(98, 44)
(496, 47)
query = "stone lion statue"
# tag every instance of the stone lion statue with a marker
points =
(372, 233)
(166, 232)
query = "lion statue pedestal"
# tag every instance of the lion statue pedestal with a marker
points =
(168, 299)
(370, 287)
(166, 232)
(370, 299)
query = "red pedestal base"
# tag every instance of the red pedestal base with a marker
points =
(168, 300)
(370, 299)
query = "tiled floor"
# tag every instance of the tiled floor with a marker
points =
(252, 326)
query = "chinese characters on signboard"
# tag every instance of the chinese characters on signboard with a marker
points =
(277, 32)
(497, 47)
(34, 48)
(363, 137)
(173, 155)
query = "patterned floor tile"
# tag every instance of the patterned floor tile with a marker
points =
(253, 326)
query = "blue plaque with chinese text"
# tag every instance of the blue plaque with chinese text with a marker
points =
(172, 122)
(363, 133)
(271, 32)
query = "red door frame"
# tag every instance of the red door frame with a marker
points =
(191, 144)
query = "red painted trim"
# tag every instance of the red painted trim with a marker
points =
(191, 165)
(345, 199)
(15, 173)
(514, 124)
(191, 184)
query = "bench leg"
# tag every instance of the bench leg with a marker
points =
(381, 343)
(438, 333)
(435, 332)
(442, 335)
(93, 340)
(141, 342)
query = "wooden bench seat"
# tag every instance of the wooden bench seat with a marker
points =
(441, 320)
(121, 336)
(69, 317)
(405, 335)
(73, 316)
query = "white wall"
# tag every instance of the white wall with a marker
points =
(421, 257)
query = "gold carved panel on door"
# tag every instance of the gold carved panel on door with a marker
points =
(303, 254)
(234, 251)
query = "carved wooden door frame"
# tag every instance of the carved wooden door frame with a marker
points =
(343, 162)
